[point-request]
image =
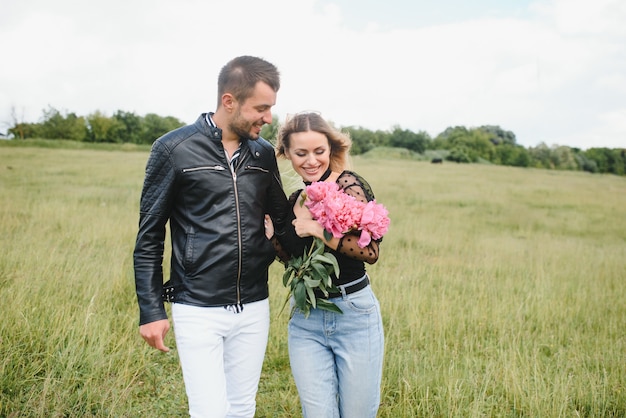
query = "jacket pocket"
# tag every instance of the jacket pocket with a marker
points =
(204, 168)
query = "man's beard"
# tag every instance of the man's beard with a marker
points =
(242, 127)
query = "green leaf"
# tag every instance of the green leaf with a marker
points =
(327, 235)
(318, 246)
(334, 263)
(287, 275)
(328, 306)
(319, 272)
(299, 294)
(296, 262)
(295, 282)
(323, 258)
(322, 287)
(312, 297)
(311, 283)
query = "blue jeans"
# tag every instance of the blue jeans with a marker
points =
(337, 359)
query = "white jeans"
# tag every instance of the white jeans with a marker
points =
(221, 354)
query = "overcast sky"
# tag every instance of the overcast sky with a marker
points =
(551, 71)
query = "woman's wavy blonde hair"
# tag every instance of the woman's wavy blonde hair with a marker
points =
(338, 141)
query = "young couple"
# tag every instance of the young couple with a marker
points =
(214, 181)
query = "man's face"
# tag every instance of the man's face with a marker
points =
(250, 116)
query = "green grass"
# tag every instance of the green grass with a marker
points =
(502, 292)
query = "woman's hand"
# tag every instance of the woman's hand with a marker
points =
(269, 227)
(308, 228)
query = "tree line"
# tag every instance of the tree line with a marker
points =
(492, 144)
(121, 127)
(484, 144)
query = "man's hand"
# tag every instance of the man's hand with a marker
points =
(154, 333)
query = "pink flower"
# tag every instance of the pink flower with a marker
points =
(340, 213)
(317, 191)
(375, 219)
(374, 222)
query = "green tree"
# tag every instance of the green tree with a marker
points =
(155, 126)
(130, 126)
(564, 158)
(25, 130)
(270, 131)
(19, 129)
(608, 160)
(585, 163)
(364, 139)
(404, 138)
(513, 155)
(459, 154)
(466, 144)
(497, 135)
(58, 126)
(103, 128)
(542, 156)
(445, 139)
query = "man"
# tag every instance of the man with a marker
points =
(214, 181)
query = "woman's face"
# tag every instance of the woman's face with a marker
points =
(309, 153)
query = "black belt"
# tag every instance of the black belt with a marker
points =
(350, 288)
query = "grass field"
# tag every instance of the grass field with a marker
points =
(503, 292)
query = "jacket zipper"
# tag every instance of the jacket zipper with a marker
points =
(240, 255)
(214, 167)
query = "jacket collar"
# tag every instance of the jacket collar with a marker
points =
(203, 126)
(215, 134)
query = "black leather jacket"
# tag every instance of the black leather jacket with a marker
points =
(220, 254)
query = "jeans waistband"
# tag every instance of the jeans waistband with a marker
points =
(346, 289)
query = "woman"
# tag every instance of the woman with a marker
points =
(336, 358)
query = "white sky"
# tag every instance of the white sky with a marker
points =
(551, 71)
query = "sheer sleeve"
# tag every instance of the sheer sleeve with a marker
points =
(356, 186)
(288, 242)
(281, 254)
(348, 246)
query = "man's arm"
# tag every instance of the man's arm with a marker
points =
(154, 212)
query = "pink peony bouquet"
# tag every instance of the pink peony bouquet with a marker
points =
(339, 213)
